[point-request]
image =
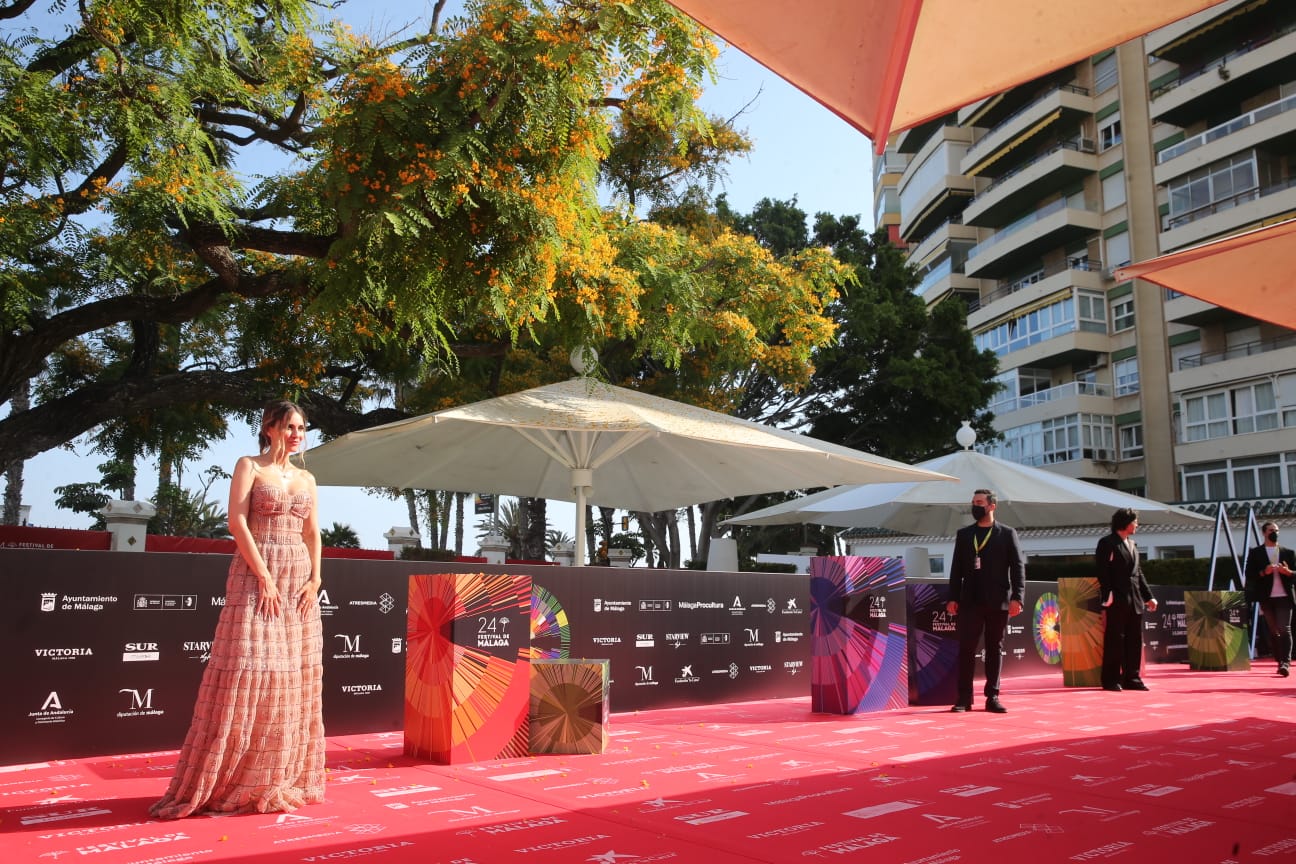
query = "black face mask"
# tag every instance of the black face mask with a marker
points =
(978, 512)
(1273, 536)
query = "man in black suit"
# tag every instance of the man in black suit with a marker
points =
(1269, 582)
(987, 583)
(1125, 594)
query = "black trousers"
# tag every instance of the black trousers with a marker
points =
(1122, 645)
(973, 622)
(1278, 615)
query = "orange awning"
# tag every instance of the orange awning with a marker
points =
(884, 65)
(1251, 273)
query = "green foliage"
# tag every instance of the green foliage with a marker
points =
(1185, 572)
(632, 541)
(767, 567)
(339, 536)
(900, 377)
(87, 498)
(419, 553)
(187, 514)
(425, 213)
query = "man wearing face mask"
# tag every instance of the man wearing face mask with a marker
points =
(987, 583)
(1125, 595)
(1270, 582)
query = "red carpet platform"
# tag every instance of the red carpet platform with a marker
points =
(1201, 770)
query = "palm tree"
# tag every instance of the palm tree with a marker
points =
(340, 537)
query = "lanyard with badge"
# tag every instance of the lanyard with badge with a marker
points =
(977, 546)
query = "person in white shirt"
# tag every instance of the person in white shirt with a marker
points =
(1270, 582)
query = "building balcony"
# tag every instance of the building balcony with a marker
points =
(1240, 446)
(1185, 309)
(1075, 345)
(1252, 130)
(1242, 363)
(1213, 85)
(1165, 41)
(935, 287)
(1077, 397)
(929, 247)
(1062, 165)
(931, 189)
(1246, 209)
(1059, 108)
(1050, 227)
(1008, 296)
(911, 140)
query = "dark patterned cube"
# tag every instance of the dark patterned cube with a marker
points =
(569, 706)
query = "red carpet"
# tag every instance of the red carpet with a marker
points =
(1202, 770)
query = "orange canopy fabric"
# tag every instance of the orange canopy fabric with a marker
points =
(1253, 273)
(885, 65)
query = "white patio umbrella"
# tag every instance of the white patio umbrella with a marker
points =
(589, 442)
(1027, 498)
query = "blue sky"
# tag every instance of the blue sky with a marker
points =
(799, 149)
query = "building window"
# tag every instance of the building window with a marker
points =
(1258, 477)
(1236, 411)
(1062, 439)
(1254, 408)
(1123, 313)
(1109, 132)
(1131, 441)
(1126, 376)
(1105, 73)
(1118, 249)
(1207, 481)
(1172, 552)
(1230, 180)
(1027, 329)
(1206, 416)
(1091, 311)
(1271, 476)
(1113, 191)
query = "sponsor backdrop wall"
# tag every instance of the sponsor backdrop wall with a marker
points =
(104, 650)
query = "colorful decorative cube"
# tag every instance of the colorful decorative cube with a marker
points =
(467, 676)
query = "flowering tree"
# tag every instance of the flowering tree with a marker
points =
(419, 202)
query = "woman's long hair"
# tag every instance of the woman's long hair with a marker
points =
(276, 414)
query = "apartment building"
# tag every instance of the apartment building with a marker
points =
(1022, 205)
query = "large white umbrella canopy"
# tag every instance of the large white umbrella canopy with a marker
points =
(1026, 498)
(589, 442)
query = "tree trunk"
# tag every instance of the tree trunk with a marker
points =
(411, 507)
(692, 532)
(13, 472)
(591, 534)
(433, 517)
(672, 532)
(459, 522)
(709, 514)
(537, 522)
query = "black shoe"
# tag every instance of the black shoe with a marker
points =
(1115, 688)
(1135, 685)
(959, 709)
(994, 706)
(1283, 671)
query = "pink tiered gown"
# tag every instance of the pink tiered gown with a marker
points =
(256, 743)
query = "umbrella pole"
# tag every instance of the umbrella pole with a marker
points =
(579, 558)
(582, 481)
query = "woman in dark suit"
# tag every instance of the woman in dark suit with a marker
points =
(1269, 582)
(1125, 594)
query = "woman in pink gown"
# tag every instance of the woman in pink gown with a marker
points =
(256, 743)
